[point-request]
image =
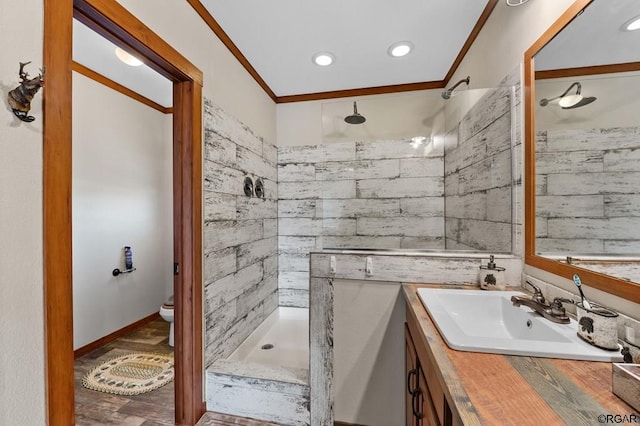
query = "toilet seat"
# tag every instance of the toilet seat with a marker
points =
(166, 312)
(169, 303)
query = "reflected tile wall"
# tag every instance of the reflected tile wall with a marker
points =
(589, 201)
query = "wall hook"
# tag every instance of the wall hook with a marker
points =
(20, 98)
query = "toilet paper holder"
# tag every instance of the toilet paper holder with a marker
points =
(117, 271)
(128, 263)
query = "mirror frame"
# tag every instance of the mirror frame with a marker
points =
(625, 289)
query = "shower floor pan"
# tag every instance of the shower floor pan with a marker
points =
(267, 376)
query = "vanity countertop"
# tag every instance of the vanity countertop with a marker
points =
(504, 389)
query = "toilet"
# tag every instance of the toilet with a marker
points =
(166, 312)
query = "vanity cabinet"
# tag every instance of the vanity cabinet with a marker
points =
(426, 404)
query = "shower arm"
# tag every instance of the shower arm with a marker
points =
(452, 88)
(579, 88)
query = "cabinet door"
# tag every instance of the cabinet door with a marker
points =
(427, 414)
(411, 380)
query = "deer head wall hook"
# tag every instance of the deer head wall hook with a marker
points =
(20, 98)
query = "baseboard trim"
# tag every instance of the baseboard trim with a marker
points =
(113, 336)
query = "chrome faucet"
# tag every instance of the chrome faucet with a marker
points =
(553, 311)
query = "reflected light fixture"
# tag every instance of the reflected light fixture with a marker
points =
(515, 2)
(128, 58)
(323, 59)
(570, 101)
(632, 24)
(400, 48)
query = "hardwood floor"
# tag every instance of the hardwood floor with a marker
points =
(149, 409)
(154, 408)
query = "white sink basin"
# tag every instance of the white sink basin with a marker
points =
(487, 321)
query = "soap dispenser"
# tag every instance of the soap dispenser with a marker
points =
(492, 277)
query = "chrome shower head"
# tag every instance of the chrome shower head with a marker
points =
(447, 94)
(581, 103)
(570, 101)
(355, 118)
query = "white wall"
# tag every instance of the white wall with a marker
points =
(226, 82)
(22, 394)
(122, 196)
(368, 344)
(390, 116)
(21, 297)
(21, 314)
(506, 35)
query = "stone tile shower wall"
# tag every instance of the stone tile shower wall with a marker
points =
(240, 233)
(587, 196)
(478, 176)
(378, 194)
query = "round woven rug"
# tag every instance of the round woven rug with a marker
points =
(131, 374)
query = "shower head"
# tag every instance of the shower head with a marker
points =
(355, 118)
(582, 102)
(567, 101)
(447, 94)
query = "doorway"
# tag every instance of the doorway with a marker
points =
(115, 23)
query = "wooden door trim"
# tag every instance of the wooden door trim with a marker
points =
(118, 25)
(114, 85)
(56, 157)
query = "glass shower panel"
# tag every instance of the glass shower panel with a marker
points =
(420, 173)
(382, 181)
(478, 170)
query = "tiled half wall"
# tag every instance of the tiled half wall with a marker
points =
(240, 233)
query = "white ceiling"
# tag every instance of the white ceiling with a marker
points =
(596, 37)
(279, 37)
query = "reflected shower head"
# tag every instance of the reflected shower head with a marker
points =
(447, 94)
(567, 101)
(582, 102)
(355, 118)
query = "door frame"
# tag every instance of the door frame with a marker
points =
(111, 20)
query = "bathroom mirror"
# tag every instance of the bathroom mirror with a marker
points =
(582, 131)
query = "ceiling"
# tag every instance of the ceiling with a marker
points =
(278, 39)
(98, 54)
(595, 37)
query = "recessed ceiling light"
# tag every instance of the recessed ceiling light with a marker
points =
(632, 24)
(323, 58)
(400, 48)
(128, 58)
